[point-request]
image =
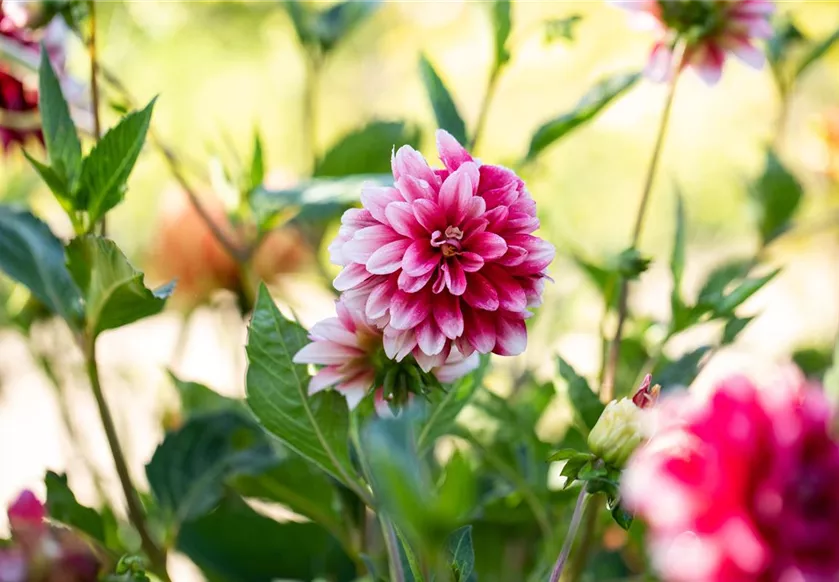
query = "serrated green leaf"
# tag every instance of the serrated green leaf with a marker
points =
(113, 290)
(62, 141)
(188, 471)
(742, 292)
(445, 110)
(598, 97)
(817, 52)
(57, 184)
(502, 25)
(32, 255)
(776, 196)
(367, 150)
(197, 398)
(591, 471)
(461, 554)
(107, 167)
(316, 427)
(583, 399)
(563, 454)
(62, 506)
(572, 469)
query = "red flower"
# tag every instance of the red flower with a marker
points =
(26, 512)
(741, 487)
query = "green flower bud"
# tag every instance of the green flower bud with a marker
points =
(618, 432)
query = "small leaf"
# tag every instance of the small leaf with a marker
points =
(572, 468)
(445, 110)
(257, 171)
(189, 469)
(776, 196)
(561, 28)
(814, 362)
(605, 279)
(367, 150)
(304, 19)
(681, 372)
(62, 141)
(316, 427)
(338, 21)
(817, 52)
(32, 255)
(106, 169)
(502, 25)
(590, 472)
(598, 97)
(622, 517)
(461, 554)
(677, 258)
(113, 290)
(62, 506)
(719, 281)
(54, 182)
(583, 399)
(742, 292)
(198, 399)
(733, 327)
(563, 454)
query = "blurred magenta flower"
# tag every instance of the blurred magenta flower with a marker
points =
(709, 29)
(26, 511)
(444, 258)
(350, 349)
(742, 486)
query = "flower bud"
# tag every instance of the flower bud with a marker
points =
(26, 512)
(618, 432)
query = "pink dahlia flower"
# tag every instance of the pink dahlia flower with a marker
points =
(712, 28)
(26, 511)
(350, 350)
(741, 487)
(445, 258)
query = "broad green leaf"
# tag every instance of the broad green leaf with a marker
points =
(502, 25)
(367, 150)
(442, 411)
(681, 372)
(188, 471)
(563, 454)
(583, 399)
(62, 141)
(776, 196)
(457, 488)
(62, 506)
(598, 97)
(817, 52)
(113, 290)
(32, 255)
(746, 289)
(338, 21)
(106, 169)
(316, 427)
(54, 182)
(445, 110)
(198, 399)
(234, 543)
(461, 554)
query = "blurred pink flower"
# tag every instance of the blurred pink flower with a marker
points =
(350, 349)
(711, 29)
(742, 486)
(26, 511)
(445, 258)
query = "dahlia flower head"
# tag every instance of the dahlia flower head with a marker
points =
(350, 349)
(741, 486)
(711, 29)
(445, 260)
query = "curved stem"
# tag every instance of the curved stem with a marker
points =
(482, 115)
(577, 516)
(608, 385)
(135, 508)
(314, 64)
(94, 85)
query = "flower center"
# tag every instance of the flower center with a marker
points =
(697, 18)
(448, 242)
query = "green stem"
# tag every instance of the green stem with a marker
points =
(576, 518)
(579, 563)
(608, 385)
(314, 64)
(484, 112)
(136, 514)
(94, 86)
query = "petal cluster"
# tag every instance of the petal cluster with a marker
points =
(712, 29)
(741, 486)
(444, 260)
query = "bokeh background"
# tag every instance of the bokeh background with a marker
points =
(222, 69)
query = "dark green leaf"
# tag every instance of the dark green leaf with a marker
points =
(631, 264)
(317, 427)
(733, 327)
(742, 292)
(457, 489)
(591, 471)
(106, 169)
(589, 106)
(367, 150)
(786, 36)
(445, 110)
(113, 290)
(236, 544)
(776, 196)
(719, 281)
(817, 52)
(583, 399)
(197, 398)
(33, 256)
(304, 19)
(561, 28)
(461, 554)
(572, 468)
(257, 172)
(605, 279)
(502, 25)
(681, 372)
(677, 258)
(622, 517)
(189, 469)
(338, 21)
(62, 141)
(62, 506)
(54, 182)
(813, 362)
(563, 454)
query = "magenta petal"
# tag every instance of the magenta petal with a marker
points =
(429, 214)
(430, 338)
(376, 198)
(471, 262)
(448, 316)
(351, 276)
(511, 295)
(398, 343)
(367, 241)
(480, 293)
(487, 244)
(497, 218)
(333, 329)
(408, 310)
(514, 256)
(477, 208)
(388, 258)
(411, 284)
(452, 154)
(454, 197)
(539, 256)
(511, 336)
(420, 258)
(455, 277)
(325, 353)
(325, 378)
(464, 347)
(479, 330)
(378, 302)
(428, 362)
(401, 217)
(414, 188)
(409, 162)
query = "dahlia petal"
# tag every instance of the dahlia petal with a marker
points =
(497, 218)
(470, 262)
(376, 198)
(464, 347)
(408, 310)
(325, 378)
(378, 302)
(409, 162)
(455, 277)
(511, 336)
(452, 154)
(420, 258)
(448, 316)
(399, 343)
(429, 214)
(454, 197)
(333, 330)
(428, 362)
(479, 330)
(351, 276)
(708, 61)
(440, 281)
(515, 256)
(487, 244)
(345, 316)
(511, 296)
(748, 53)
(367, 241)
(325, 353)
(480, 293)
(540, 254)
(411, 284)
(401, 217)
(660, 65)
(414, 188)
(430, 338)
(354, 396)
(456, 367)
(477, 208)
(388, 258)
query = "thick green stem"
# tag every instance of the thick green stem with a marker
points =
(576, 518)
(136, 514)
